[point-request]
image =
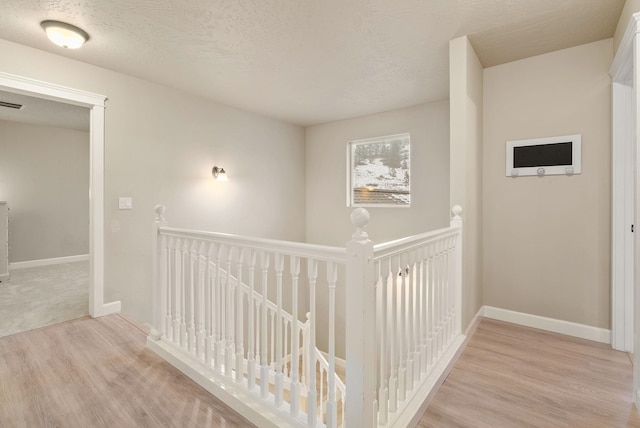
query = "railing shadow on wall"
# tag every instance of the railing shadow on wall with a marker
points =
(227, 312)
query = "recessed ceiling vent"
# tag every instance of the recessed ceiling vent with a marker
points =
(11, 105)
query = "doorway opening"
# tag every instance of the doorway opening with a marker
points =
(96, 105)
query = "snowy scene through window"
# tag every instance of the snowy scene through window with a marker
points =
(380, 171)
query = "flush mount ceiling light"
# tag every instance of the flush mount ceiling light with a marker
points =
(65, 35)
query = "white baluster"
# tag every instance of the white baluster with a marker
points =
(424, 308)
(168, 328)
(251, 369)
(217, 309)
(279, 267)
(312, 273)
(177, 287)
(406, 267)
(159, 279)
(191, 326)
(415, 317)
(258, 329)
(201, 301)
(383, 392)
(305, 350)
(402, 327)
(184, 251)
(272, 338)
(264, 368)
(440, 297)
(239, 337)
(209, 307)
(394, 358)
(432, 305)
(286, 360)
(228, 321)
(294, 262)
(321, 396)
(449, 289)
(332, 278)
(456, 221)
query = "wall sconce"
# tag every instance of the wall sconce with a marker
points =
(64, 35)
(219, 174)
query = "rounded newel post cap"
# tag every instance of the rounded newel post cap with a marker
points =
(456, 210)
(360, 218)
(159, 209)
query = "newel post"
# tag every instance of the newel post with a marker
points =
(361, 326)
(456, 221)
(158, 280)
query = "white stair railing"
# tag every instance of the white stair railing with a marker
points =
(226, 312)
(212, 303)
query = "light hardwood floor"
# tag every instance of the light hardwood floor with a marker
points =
(97, 373)
(513, 376)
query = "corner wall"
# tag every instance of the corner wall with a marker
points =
(547, 239)
(466, 92)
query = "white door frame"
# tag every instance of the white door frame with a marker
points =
(625, 200)
(622, 207)
(39, 89)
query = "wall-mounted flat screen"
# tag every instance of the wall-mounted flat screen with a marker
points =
(544, 156)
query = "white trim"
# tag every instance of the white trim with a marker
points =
(39, 89)
(48, 262)
(622, 217)
(549, 324)
(111, 308)
(256, 410)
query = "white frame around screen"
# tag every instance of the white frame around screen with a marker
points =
(96, 104)
(576, 156)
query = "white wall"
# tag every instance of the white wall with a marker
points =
(161, 144)
(547, 240)
(466, 92)
(326, 175)
(44, 176)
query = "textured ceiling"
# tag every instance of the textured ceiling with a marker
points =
(308, 61)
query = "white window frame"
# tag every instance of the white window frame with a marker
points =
(351, 169)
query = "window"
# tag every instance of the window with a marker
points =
(379, 172)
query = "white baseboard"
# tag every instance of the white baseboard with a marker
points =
(549, 324)
(111, 308)
(48, 262)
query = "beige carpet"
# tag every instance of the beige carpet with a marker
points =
(41, 296)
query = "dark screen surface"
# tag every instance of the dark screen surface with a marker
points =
(543, 155)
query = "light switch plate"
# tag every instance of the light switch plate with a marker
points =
(125, 203)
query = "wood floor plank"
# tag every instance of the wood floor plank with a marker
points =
(98, 373)
(514, 376)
